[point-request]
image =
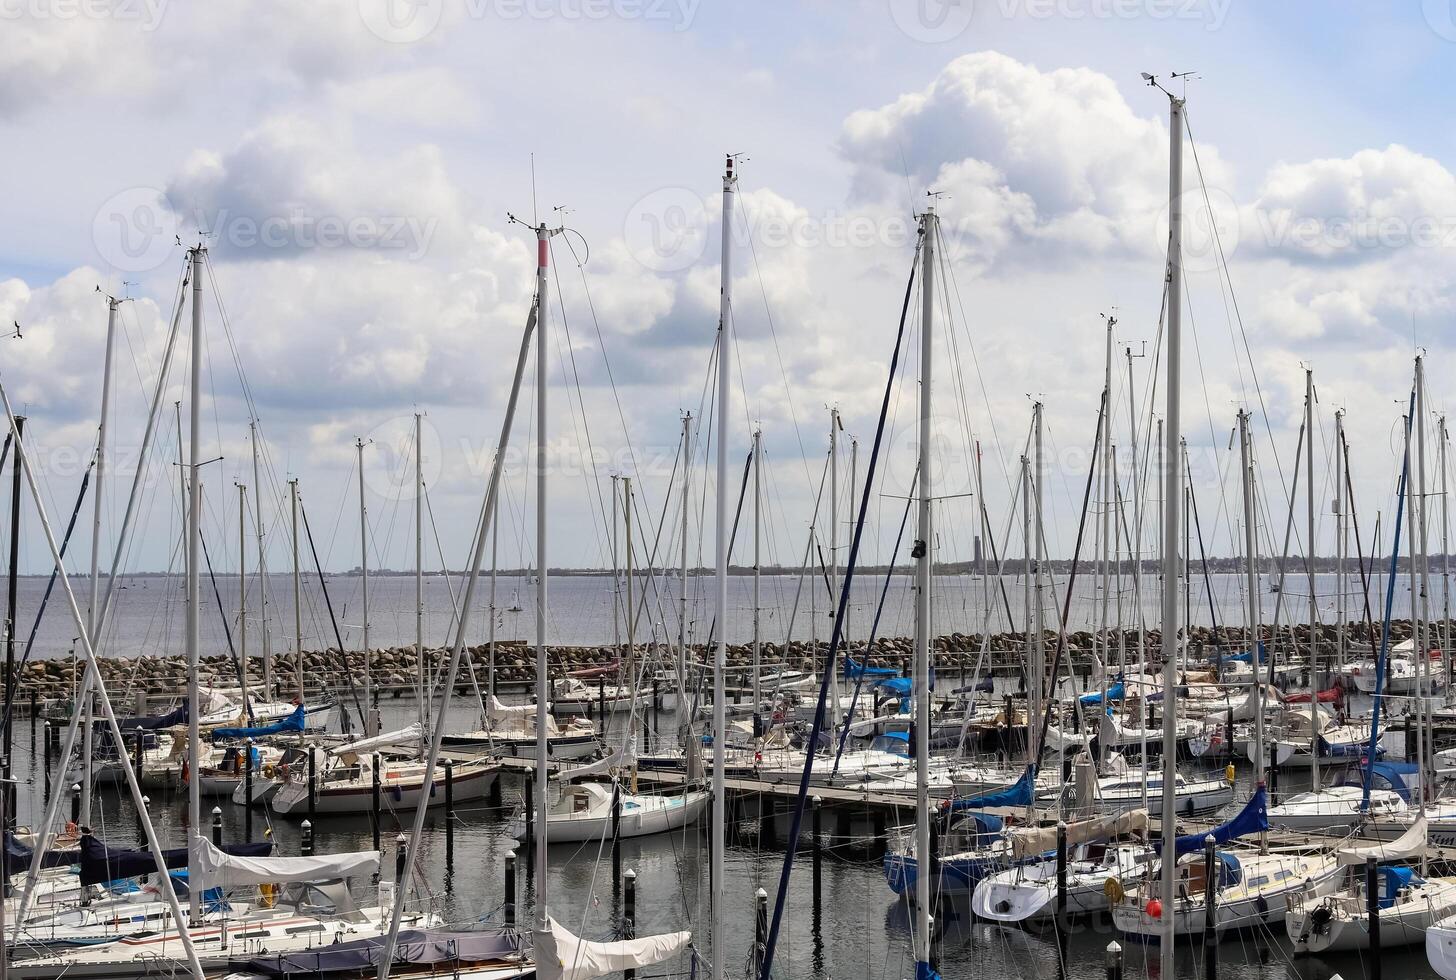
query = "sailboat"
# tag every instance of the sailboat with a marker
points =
(1252, 888)
(510, 730)
(1407, 903)
(344, 777)
(1102, 849)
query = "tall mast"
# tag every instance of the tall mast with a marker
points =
(1445, 553)
(853, 496)
(1106, 517)
(1038, 612)
(718, 830)
(243, 593)
(757, 570)
(268, 689)
(1137, 541)
(1341, 615)
(1423, 649)
(1309, 493)
(1173, 435)
(922, 554)
(616, 574)
(297, 594)
(1251, 591)
(543, 923)
(630, 672)
(370, 727)
(420, 577)
(682, 619)
(1412, 538)
(194, 595)
(494, 568)
(93, 609)
(1028, 591)
(833, 510)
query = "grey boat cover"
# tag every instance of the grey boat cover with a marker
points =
(415, 947)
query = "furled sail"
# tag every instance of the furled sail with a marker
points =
(221, 868)
(1408, 845)
(293, 723)
(563, 956)
(100, 863)
(1026, 842)
(403, 736)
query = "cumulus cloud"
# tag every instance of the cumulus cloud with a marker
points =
(1033, 163)
(1358, 208)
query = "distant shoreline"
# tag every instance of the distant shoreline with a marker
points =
(1011, 568)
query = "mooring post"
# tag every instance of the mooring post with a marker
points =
(760, 929)
(817, 804)
(1114, 961)
(217, 826)
(1061, 881)
(248, 794)
(1210, 909)
(616, 836)
(376, 816)
(449, 812)
(1372, 910)
(629, 914)
(305, 847)
(401, 855)
(312, 786)
(75, 803)
(510, 906)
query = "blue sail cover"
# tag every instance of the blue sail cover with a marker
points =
(177, 716)
(1252, 819)
(855, 670)
(17, 856)
(1114, 693)
(1019, 793)
(100, 863)
(293, 723)
(1237, 658)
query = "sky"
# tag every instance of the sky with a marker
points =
(352, 166)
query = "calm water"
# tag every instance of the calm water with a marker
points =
(862, 929)
(149, 611)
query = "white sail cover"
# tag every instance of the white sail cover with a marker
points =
(621, 757)
(1408, 845)
(563, 956)
(1038, 840)
(225, 869)
(498, 710)
(403, 736)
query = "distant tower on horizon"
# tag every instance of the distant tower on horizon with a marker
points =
(978, 549)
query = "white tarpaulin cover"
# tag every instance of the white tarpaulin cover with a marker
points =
(402, 737)
(499, 710)
(615, 760)
(225, 869)
(563, 956)
(1038, 840)
(1408, 845)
